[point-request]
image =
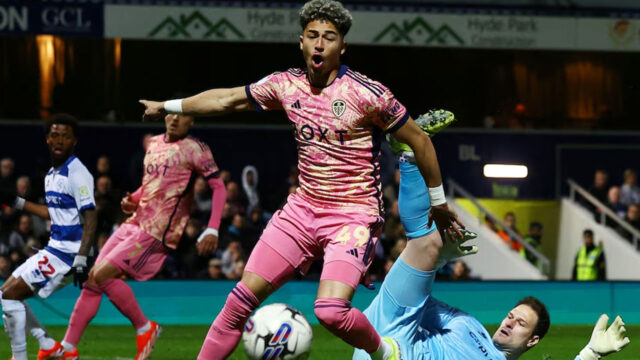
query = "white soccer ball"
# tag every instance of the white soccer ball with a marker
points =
(277, 331)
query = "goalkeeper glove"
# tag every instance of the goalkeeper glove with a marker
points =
(453, 249)
(605, 341)
(80, 270)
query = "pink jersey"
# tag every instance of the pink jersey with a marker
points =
(339, 130)
(166, 192)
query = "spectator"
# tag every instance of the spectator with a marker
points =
(5, 267)
(461, 271)
(201, 199)
(392, 228)
(632, 218)
(233, 260)
(214, 270)
(250, 185)
(630, 192)
(613, 202)
(600, 185)
(234, 197)
(22, 234)
(103, 169)
(533, 238)
(7, 177)
(390, 191)
(225, 176)
(490, 224)
(188, 262)
(136, 164)
(590, 263)
(103, 166)
(107, 204)
(23, 188)
(509, 221)
(238, 231)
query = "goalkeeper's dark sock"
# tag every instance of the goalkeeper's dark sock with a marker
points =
(85, 309)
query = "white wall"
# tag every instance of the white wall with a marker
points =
(494, 260)
(623, 261)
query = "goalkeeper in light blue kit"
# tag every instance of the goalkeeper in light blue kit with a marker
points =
(426, 328)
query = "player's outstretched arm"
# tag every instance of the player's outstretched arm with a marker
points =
(605, 341)
(208, 103)
(10, 198)
(446, 220)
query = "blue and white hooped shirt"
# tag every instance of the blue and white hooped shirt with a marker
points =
(68, 192)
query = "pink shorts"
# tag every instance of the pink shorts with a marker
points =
(133, 252)
(300, 234)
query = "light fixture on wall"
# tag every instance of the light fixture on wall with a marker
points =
(506, 171)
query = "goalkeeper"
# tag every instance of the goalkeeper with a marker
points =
(426, 328)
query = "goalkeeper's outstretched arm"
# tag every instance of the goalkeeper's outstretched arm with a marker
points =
(605, 341)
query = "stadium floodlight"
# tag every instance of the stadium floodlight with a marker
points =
(505, 171)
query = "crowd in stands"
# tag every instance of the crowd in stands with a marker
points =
(622, 200)
(243, 220)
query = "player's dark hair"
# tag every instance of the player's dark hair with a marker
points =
(327, 10)
(542, 326)
(588, 232)
(63, 119)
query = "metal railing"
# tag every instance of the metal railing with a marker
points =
(543, 264)
(604, 211)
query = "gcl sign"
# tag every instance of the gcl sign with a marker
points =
(71, 17)
(66, 17)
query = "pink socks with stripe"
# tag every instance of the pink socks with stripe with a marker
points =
(226, 330)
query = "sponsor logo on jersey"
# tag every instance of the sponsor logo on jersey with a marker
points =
(480, 347)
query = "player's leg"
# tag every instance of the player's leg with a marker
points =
(348, 253)
(49, 348)
(126, 249)
(12, 292)
(140, 256)
(265, 272)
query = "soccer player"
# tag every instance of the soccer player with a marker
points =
(69, 194)
(339, 117)
(160, 208)
(426, 328)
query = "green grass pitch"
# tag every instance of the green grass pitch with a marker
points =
(183, 342)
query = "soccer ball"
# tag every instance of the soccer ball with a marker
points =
(277, 331)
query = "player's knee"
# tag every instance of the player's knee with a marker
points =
(429, 245)
(333, 317)
(98, 278)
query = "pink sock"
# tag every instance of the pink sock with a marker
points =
(122, 297)
(226, 330)
(347, 323)
(85, 309)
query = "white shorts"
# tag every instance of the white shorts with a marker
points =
(44, 273)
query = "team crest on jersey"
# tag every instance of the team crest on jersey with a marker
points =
(338, 107)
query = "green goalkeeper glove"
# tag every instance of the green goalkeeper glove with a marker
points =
(605, 341)
(453, 249)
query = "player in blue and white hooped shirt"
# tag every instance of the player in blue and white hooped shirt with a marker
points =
(428, 329)
(71, 209)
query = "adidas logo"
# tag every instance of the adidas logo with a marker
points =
(353, 252)
(296, 105)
